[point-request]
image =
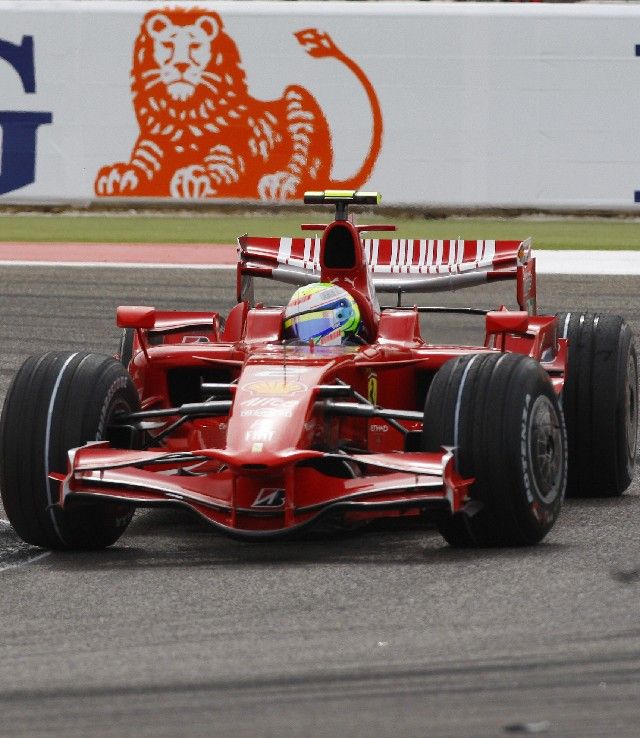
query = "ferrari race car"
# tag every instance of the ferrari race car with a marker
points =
(279, 419)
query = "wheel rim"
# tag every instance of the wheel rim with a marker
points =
(546, 449)
(631, 397)
(118, 406)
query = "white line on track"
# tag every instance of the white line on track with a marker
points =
(114, 265)
(18, 564)
(548, 262)
(32, 560)
(588, 262)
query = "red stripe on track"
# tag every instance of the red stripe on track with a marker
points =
(134, 253)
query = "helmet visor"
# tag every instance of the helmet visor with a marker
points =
(310, 326)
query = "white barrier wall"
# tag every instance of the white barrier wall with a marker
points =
(456, 105)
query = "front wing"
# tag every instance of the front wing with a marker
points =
(288, 493)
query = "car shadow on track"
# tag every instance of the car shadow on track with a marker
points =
(176, 539)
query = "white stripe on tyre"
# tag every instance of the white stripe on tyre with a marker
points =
(456, 418)
(47, 440)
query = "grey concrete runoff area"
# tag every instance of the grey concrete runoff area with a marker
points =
(179, 631)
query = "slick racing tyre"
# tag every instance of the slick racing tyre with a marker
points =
(502, 417)
(58, 401)
(600, 402)
(125, 349)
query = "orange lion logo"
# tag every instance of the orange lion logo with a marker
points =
(201, 133)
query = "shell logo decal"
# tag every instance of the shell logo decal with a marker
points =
(275, 387)
(202, 135)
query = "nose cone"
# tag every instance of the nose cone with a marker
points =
(271, 405)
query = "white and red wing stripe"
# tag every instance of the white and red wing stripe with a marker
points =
(409, 256)
(395, 263)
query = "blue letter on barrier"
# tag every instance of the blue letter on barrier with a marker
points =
(18, 163)
(18, 159)
(21, 59)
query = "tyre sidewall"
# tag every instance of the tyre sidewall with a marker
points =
(537, 506)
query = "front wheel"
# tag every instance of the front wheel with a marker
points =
(59, 401)
(502, 417)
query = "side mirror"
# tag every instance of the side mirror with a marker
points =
(501, 322)
(135, 316)
(504, 321)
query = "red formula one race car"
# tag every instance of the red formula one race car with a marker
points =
(329, 409)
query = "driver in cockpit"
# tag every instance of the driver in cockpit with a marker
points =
(323, 314)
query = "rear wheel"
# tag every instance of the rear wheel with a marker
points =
(59, 401)
(501, 415)
(600, 401)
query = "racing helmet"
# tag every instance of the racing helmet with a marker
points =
(322, 313)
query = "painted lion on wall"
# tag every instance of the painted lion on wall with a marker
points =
(202, 135)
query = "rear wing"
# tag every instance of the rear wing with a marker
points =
(395, 265)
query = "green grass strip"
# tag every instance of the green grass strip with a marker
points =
(560, 233)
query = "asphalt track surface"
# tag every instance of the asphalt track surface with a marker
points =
(178, 631)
